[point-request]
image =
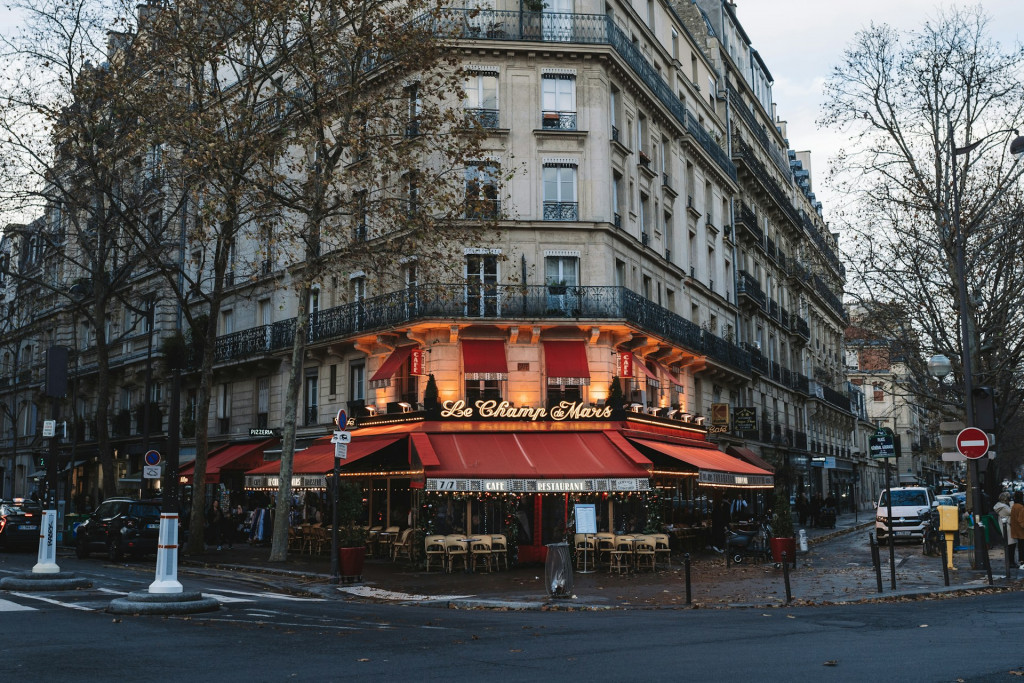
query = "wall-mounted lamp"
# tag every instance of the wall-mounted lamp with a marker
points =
(406, 407)
(700, 419)
(685, 417)
(371, 409)
(636, 407)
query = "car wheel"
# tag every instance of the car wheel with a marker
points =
(82, 549)
(737, 559)
(114, 550)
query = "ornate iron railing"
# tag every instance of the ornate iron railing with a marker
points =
(749, 287)
(476, 300)
(558, 120)
(485, 118)
(561, 211)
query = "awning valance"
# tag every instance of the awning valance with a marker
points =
(714, 467)
(484, 359)
(565, 362)
(319, 458)
(239, 456)
(639, 363)
(382, 378)
(749, 456)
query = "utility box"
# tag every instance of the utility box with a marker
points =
(949, 518)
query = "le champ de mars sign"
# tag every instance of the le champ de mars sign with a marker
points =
(503, 410)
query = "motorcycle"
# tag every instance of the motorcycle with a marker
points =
(740, 545)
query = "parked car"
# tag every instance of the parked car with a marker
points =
(119, 527)
(19, 523)
(911, 513)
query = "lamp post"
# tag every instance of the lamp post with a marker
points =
(966, 328)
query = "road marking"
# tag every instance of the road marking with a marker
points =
(8, 606)
(288, 623)
(70, 605)
(273, 596)
(112, 591)
(380, 594)
(225, 599)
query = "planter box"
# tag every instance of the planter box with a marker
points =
(783, 545)
(350, 562)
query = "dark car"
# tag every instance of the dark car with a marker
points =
(19, 523)
(119, 527)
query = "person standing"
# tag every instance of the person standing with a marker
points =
(216, 520)
(802, 508)
(1002, 512)
(1017, 525)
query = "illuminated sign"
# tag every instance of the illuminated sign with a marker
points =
(503, 410)
(625, 365)
(537, 485)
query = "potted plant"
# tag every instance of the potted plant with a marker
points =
(556, 287)
(430, 397)
(782, 540)
(351, 534)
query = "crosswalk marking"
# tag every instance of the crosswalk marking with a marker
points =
(8, 606)
(225, 599)
(70, 605)
(380, 594)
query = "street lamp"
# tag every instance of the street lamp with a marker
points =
(966, 329)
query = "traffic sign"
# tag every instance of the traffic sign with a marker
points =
(341, 419)
(49, 428)
(152, 458)
(151, 471)
(341, 450)
(342, 437)
(972, 443)
(882, 444)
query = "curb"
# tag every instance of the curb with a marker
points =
(141, 602)
(44, 582)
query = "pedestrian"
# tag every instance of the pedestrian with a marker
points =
(1002, 512)
(239, 523)
(738, 510)
(215, 522)
(719, 518)
(1017, 525)
(802, 508)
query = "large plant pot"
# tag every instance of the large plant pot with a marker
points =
(783, 545)
(350, 562)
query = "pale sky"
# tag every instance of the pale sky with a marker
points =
(800, 41)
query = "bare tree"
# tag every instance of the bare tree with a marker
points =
(930, 115)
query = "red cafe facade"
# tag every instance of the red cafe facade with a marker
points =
(511, 450)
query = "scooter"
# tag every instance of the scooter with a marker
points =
(740, 545)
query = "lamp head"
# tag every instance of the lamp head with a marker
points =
(939, 366)
(1017, 147)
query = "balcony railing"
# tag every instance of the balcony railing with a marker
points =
(558, 120)
(615, 134)
(473, 300)
(749, 287)
(748, 219)
(485, 118)
(561, 211)
(801, 327)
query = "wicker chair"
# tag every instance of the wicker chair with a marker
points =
(403, 546)
(434, 548)
(643, 552)
(480, 551)
(456, 550)
(499, 549)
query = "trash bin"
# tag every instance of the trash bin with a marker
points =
(558, 571)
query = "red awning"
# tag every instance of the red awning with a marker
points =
(714, 466)
(749, 456)
(550, 455)
(425, 451)
(240, 457)
(566, 360)
(668, 376)
(319, 458)
(386, 371)
(484, 359)
(638, 363)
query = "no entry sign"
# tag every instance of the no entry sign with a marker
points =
(972, 443)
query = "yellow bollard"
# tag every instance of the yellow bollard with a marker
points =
(949, 522)
(949, 551)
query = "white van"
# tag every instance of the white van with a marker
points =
(911, 512)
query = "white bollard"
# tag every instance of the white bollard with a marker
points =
(167, 556)
(803, 541)
(47, 562)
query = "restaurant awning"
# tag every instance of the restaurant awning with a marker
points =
(749, 456)
(310, 467)
(382, 378)
(549, 462)
(714, 467)
(238, 456)
(484, 359)
(639, 363)
(565, 362)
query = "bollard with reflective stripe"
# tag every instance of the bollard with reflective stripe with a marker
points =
(47, 562)
(167, 556)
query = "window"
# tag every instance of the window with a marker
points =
(314, 299)
(481, 102)
(483, 390)
(560, 192)
(262, 402)
(481, 284)
(879, 392)
(482, 179)
(312, 397)
(620, 273)
(412, 194)
(616, 198)
(613, 104)
(411, 273)
(357, 293)
(669, 236)
(650, 13)
(563, 392)
(561, 275)
(675, 44)
(224, 408)
(360, 232)
(558, 101)
(415, 109)
(265, 313)
(356, 382)
(641, 140)
(645, 217)
(557, 20)
(227, 322)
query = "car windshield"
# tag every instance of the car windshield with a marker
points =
(17, 508)
(905, 498)
(143, 510)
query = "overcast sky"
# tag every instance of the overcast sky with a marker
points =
(800, 41)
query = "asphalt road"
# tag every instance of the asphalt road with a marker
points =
(265, 635)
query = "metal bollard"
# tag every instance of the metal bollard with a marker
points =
(945, 559)
(876, 560)
(686, 567)
(785, 577)
(1007, 557)
(984, 551)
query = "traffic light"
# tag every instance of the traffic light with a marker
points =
(984, 409)
(42, 462)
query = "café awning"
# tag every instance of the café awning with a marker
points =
(240, 456)
(387, 370)
(530, 462)
(565, 362)
(484, 359)
(714, 468)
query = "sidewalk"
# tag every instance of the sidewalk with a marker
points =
(836, 569)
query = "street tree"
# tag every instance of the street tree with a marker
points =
(930, 115)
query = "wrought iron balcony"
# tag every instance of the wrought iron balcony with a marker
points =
(311, 415)
(561, 211)
(558, 120)
(801, 327)
(615, 134)
(749, 288)
(485, 118)
(748, 219)
(617, 221)
(475, 300)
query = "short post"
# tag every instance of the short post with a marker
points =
(785, 578)
(727, 555)
(47, 558)
(983, 537)
(167, 556)
(945, 559)
(686, 567)
(876, 560)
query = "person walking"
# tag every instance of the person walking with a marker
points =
(216, 520)
(1002, 512)
(1017, 525)
(802, 508)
